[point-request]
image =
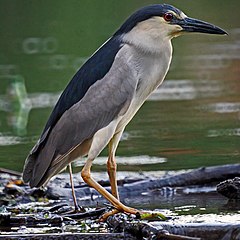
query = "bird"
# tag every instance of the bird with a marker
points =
(105, 94)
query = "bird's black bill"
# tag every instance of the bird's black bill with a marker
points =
(195, 25)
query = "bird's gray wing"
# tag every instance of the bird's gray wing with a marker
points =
(104, 101)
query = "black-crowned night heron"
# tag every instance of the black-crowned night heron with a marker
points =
(105, 94)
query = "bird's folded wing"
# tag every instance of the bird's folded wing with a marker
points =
(105, 100)
(94, 69)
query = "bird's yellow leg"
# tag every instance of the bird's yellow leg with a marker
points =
(73, 190)
(112, 171)
(111, 163)
(112, 168)
(92, 183)
(119, 207)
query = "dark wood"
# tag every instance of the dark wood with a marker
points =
(230, 188)
(176, 230)
(7, 220)
(70, 236)
(204, 231)
(143, 230)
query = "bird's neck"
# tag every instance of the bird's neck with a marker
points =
(151, 37)
(148, 44)
(152, 67)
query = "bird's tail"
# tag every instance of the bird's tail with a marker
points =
(28, 168)
(40, 167)
(37, 165)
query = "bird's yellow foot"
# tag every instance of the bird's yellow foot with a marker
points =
(143, 215)
(108, 214)
(123, 209)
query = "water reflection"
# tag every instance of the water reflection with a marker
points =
(9, 140)
(223, 107)
(36, 45)
(186, 90)
(224, 132)
(18, 103)
(137, 160)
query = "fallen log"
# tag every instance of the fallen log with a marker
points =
(200, 176)
(204, 231)
(10, 172)
(143, 230)
(176, 230)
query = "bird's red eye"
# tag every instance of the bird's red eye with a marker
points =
(168, 17)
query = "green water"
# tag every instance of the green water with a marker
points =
(193, 120)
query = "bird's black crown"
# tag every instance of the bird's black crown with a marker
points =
(143, 14)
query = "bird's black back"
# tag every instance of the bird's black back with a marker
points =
(93, 70)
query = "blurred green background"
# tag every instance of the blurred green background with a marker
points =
(192, 120)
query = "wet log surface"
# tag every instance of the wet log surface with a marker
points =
(170, 230)
(205, 231)
(21, 216)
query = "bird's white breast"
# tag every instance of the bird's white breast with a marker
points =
(151, 69)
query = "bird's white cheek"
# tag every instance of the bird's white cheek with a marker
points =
(175, 31)
(171, 30)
